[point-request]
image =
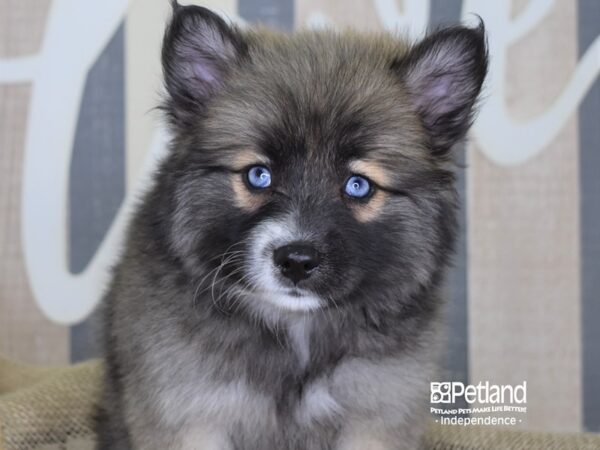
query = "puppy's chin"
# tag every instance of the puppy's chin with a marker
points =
(273, 306)
(290, 300)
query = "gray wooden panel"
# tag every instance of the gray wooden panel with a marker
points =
(97, 173)
(589, 154)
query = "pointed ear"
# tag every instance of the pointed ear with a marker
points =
(199, 49)
(443, 75)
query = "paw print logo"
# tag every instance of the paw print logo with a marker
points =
(440, 393)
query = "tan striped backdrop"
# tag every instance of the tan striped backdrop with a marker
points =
(79, 79)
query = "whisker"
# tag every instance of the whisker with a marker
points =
(231, 257)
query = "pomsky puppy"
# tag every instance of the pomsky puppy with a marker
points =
(279, 288)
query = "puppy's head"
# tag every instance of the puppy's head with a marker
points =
(312, 170)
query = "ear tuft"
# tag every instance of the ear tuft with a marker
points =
(443, 75)
(199, 49)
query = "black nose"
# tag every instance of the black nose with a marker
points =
(296, 261)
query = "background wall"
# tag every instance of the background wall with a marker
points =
(78, 136)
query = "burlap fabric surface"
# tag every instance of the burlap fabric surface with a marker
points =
(47, 408)
(51, 409)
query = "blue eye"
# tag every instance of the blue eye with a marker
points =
(357, 186)
(259, 177)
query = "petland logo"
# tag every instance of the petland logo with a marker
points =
(482, 393)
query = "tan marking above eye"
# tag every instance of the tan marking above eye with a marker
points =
(372, 170)
(242, 197)
(370, 210)
(247, 158)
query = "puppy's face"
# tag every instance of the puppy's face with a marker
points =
(312, 169)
